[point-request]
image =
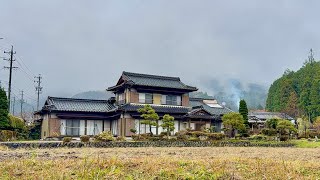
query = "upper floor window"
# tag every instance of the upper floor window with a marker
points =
(171, 100)
(121, 98)
(146, 98)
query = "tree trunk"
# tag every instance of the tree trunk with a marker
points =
(150, 129)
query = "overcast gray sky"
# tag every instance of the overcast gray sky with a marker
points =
(83, 45)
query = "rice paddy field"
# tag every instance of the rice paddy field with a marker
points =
(161, 163)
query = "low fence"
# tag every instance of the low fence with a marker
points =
(15, 145)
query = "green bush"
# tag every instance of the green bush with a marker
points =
(66, 139)
(284, 138)
(182, 135)
(313, 134)
(133, 131)
(85, 138)
(6, 135)
(139, 137)
(258, 138)
(215, 136)
(104, 136)
(196, 133)
(121, 138)
(269, 132)
(193, 139)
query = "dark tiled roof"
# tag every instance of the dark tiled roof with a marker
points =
(78, 105)
(154, 81)
(213, 110)
(200, 112)
(158, 108)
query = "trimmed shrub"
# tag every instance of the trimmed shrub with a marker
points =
(104, 136)
(269, 132)
(196, 133)
(85, 138)
(182, 135)
(66, 139)
(215, 136)
(134, 131)
(6, 135)
(121, 138)
(258, 137)
(139, 137)
(193, 139)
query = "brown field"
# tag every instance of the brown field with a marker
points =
(161, 163)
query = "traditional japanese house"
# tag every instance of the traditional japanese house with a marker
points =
(214, 108)
(257, 119)
(167, 95)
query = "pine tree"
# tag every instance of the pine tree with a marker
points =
(243, 110)
(168, 123)
(150, 117)
(4, 110)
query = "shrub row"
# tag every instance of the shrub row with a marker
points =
(113, 144)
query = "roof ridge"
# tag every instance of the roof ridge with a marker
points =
(151, 75)
(77, 99)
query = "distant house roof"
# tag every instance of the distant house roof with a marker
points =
(200, 112)
(158, 108)
(269, 115)
(77, 105)
(214, 110)
(151, 81)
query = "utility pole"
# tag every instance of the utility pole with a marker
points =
(38, 88)
(13, 105)
(10, 69)
(21, 104)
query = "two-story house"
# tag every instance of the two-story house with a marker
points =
(167, 95)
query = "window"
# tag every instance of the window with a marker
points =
(171, 100)
(149, 99)
(121, 98)
(73, 127)
(146, 98)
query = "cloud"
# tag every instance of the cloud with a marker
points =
(80, 45)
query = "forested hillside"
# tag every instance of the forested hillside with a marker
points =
(297, 93)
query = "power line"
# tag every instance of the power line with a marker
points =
(10, 70)
(26, 67)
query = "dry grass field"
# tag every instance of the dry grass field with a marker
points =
(161, 163)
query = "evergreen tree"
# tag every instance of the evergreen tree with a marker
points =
(168, 123)
(150, 117)
(233, 121)
(297, 93)
(243, 110)
(4, 110)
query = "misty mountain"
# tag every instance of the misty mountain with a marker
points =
(233, 90)
(98, 95)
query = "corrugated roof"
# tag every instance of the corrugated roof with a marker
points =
(156, 81)
(78, 105)
(213, 110)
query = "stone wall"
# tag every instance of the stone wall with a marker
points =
(15, 145)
